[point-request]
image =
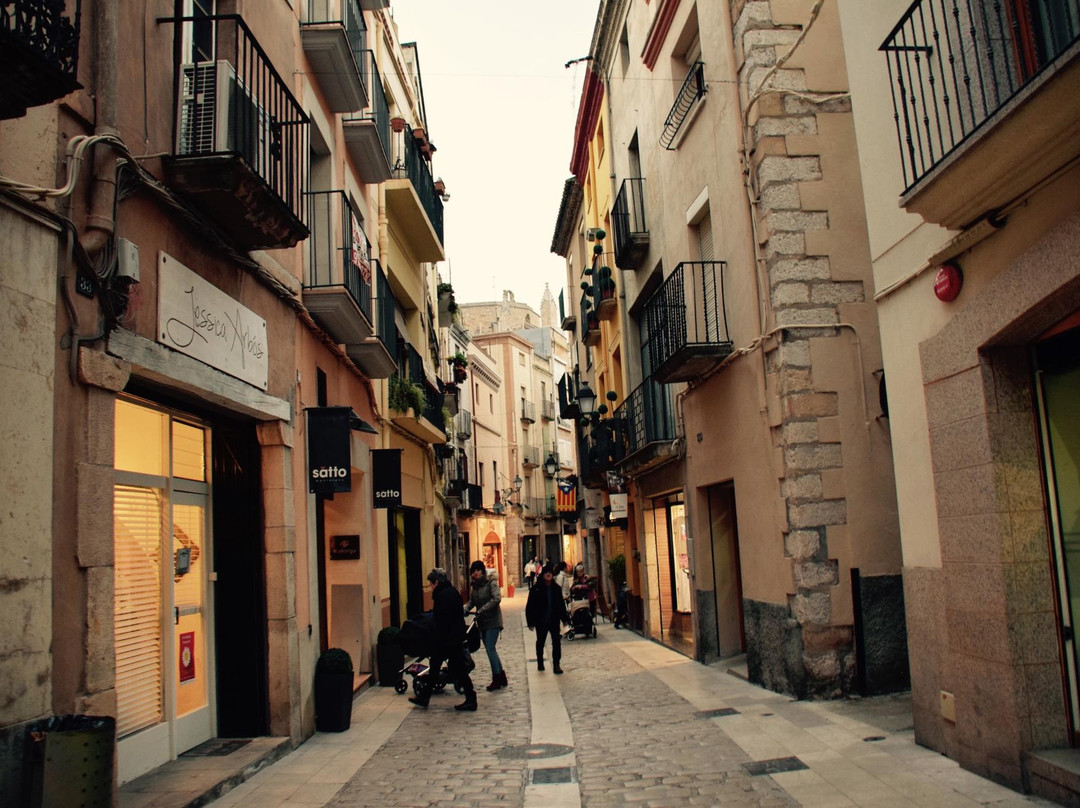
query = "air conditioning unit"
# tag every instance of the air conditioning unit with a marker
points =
(217, 115)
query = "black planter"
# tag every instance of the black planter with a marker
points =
(390, 659)
(333, 701)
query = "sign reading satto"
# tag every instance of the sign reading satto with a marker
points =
(198, 319)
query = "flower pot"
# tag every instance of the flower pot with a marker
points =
(397, 124)
(333, 701)
(461, 375)
(390, 659)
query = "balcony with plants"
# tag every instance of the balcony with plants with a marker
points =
(240, 149)
(412, 200)
(415, 404)
(334, 38)
(447, 306)
(631, 228)
(590, 320)
(686, 323)
(984, 101)
(367, 135)
(337, 290)
(39, 53)
(601, 445)
(376, 355)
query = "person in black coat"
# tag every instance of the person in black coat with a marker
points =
(545, 611)
(449, 618)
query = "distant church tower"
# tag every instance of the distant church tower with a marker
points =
(548, 310)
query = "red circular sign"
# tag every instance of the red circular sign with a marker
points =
(947, 282)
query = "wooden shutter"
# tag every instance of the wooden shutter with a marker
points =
(705, 239)
(138, 532)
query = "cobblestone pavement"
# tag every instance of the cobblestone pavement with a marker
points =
(629, 723)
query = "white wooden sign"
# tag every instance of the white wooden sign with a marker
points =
(198, 319)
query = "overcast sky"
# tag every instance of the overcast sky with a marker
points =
(501, 108)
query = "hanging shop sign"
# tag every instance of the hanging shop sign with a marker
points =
(198, 319)
(386, 478)
(619, 509)
(329, 450)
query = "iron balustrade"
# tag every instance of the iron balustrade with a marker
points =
(601, 447)
(686, 313)
(550, 511)
(340, 252)
(351, 18)
(39, 53)
(528, 411)
(434, 399)
(954, 63)
(590, 321)
(235, 102)
(693, 90)
(378, 110)
(463, 424)
(383, 307)
(410, 164)
(629, 218)
(647, 416)
(530, 456)
(547, 410)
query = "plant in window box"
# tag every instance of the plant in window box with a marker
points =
(389, 657)
(333, 690)
(460, 364)
(403, 395)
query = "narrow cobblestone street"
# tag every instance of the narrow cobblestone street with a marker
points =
(629, 723)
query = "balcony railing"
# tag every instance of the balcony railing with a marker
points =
(567, 320)
(686, 322)
(338, 288)
(631, 229)
(528, 411)
(39, 53)
(334, 37)
(376, 355)
(530, 456)
(410, 164)
(549, 508)
(954, 63)
(367, 136)
(647, 418)
(433, 410)
(692, 91)
(240, 136)
(590, 321)
(463, 424)
(547, 410)
(600, 449)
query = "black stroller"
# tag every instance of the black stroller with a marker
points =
(417, 641)
(581, 616)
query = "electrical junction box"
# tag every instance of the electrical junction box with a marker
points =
(127, 260)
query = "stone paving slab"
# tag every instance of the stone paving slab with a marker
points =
(634, 724)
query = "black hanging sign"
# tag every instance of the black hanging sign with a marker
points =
(329, 450)
(386, 478)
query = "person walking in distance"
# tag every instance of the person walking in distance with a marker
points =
(449, 641)
(484, 597)
(545, 611)
(530, 571)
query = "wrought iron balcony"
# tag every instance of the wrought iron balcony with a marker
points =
(601, 447)
(690, 96)
(567, 319)
(334, 37)
(530, 456)
(240, 137)
(39, 53)
(590, 321)
(528, 411)
(367, 136)
(411, 199)
(547, 409)
(959, 71)
(338, 288)
(463, 424)
(686, 323)
(647, 417)
(376, 355)
(631, 229)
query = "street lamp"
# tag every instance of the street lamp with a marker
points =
(551, 465)
(586, 399)
(517, 483)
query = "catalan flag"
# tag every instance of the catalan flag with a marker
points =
(566, 497)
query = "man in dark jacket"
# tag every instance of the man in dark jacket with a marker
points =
(545, 611)
(449, 642)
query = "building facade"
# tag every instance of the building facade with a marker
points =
(223, 300)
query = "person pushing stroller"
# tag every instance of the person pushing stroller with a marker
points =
(449, 642)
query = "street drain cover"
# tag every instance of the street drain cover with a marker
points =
(774, 766)
(560, 774)
(214, 748)
(533, 751)
(719, 712)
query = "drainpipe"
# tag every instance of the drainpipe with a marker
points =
(100, 220)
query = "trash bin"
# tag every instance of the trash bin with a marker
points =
(69, 760)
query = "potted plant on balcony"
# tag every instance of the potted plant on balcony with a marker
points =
(404, 395)
(460, 365)
(389, 656)
(606, 305)
(397, 123)
(333, 690)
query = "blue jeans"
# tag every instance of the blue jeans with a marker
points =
(490, 636)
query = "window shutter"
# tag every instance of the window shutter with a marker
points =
(705, 239)
(138, 534)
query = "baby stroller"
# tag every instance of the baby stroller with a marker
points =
(581, 617)
(417, 641)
